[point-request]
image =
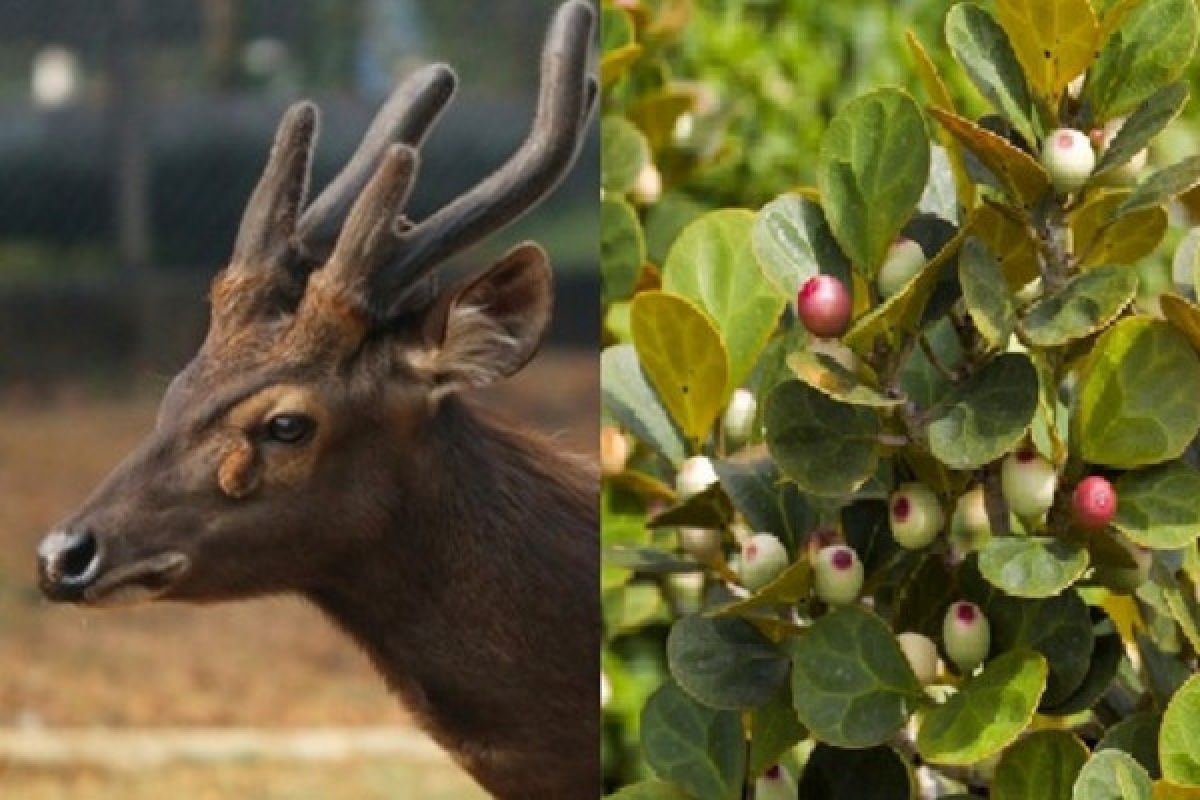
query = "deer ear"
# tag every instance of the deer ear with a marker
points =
(490, 327)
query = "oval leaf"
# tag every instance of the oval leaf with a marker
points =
(684, 358)
(1150, 119)
(1152, 46)
(1179, 742)
(985, 292)
(712, 264)
(1163, 185)
(826, 374)
(622, 249)
(1032, 566)
(700, 749)
(1022, 177)
(987, 713)
(851, 684)
(984, 417)
(982, 48)
(1112, 775)
(793, 242)
(828, 448)
(629, 397)
(871, 171)
(1136, 735)
(1054, 41)
(1042, 766)
(832, 773)
(1137, 396)
(624, 153)
(724, 662)
(1160, 507)
(1089, 303)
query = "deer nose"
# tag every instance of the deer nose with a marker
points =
(68, 562)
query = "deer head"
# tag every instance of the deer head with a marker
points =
(321, 392)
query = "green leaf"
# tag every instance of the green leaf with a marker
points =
(650, 790)
(982, 48)
(1159, 507)
(1032, 566)
(984, 417)
(1163, 185)
(1060, 628)
(623, 154)
(1136, 735)
(622, 249)
(1136, 403)
(629, 397)
(1125, 239)
(767, 502)
(1152, 47)
(1089, 303)
(919, 379)
(987, 713)
(712, 264)
(724, 662)
(827, 375)
(985, 291)
(792, 242)
(700, 749)
(871, 171)
(1150, 119)
(774, 728)
(1042, 766)
(1179, 742)
(1018, 172)
(877, 773)
(828, 448)
(1054, 41)
(851, 683)
(1112, 775)
(1106, 660)
(684, 358)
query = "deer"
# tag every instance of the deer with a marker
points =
(325, 441)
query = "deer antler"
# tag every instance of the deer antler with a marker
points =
(384, 263)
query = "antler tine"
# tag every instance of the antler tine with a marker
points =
(564, 106)
(367, 238)
(270, 218)
(406, 117)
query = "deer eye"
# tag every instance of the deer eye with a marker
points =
(290, 428)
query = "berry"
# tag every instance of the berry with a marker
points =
(1126, 579)
(775, 784)
(1028, 482)
(738, 422)
(614, 450)
(702, 544)
(824, 306)
(969, 525)
(648, 186)
(695, 475)
(818, 539)
(915, 515)
(1094, 502)
(837, 575)
(1068, 156)
(763, 558)
(905, 259)
(922, 655)
(967, 635)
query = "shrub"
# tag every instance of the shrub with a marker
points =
(1028, 354)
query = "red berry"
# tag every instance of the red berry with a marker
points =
(1094, 502)
(824, 306)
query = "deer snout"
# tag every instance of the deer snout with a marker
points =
(68, 561)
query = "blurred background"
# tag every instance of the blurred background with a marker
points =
(131, 134)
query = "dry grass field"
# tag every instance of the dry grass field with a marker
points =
(273, 662)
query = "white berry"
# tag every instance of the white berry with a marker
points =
(837, 575)
(905, 259)
(922, 655)
(695, 475)
(738, 422)
(969, 525)
(702, 544)
(915, 515)
(1068, 157)
(966, 635)
(1028, 482)
(763, 558)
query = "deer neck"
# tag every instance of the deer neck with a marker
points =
(481, 607)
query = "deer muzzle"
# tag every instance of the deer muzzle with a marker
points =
(74, 567)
